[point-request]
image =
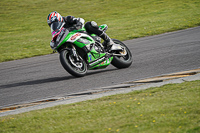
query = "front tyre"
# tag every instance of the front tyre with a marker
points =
(122, 61)
(77, 68)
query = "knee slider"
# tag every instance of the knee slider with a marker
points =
(94, 24)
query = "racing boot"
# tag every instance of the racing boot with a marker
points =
(108, 41)
(109, 44)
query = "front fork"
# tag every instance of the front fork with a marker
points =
(74, 53)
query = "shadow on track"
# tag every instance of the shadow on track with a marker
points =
(53, 79)
(34, 82)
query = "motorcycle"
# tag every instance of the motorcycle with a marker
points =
(80, 51)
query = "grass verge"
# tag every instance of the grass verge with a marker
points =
(167, 109)
(25, 33)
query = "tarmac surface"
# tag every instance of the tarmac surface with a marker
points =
(34, 82)
(126, 87)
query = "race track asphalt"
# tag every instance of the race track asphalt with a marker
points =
(42, 77)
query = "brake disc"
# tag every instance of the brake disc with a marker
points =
(76, 63)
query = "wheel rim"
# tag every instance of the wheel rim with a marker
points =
(78, 66)
(75, 63)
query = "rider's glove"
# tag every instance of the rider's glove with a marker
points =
(79, 23)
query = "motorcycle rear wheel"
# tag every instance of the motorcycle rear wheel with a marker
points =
(122, 62)
(75, 68)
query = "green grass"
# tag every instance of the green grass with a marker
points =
(167, 109)
(24, 31)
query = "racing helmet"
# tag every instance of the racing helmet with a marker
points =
(55, 21)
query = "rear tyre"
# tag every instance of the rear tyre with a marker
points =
(71, 65)
(126, 60)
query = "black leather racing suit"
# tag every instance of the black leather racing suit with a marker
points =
(72, 23)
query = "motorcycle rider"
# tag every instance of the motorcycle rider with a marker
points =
(57, 22)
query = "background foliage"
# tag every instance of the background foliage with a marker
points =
(24, 31)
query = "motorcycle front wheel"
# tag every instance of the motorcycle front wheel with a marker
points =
(122, 61)
(77, 68)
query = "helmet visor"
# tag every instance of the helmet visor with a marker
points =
(55, 28)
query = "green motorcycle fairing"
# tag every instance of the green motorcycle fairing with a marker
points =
(95, 57)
